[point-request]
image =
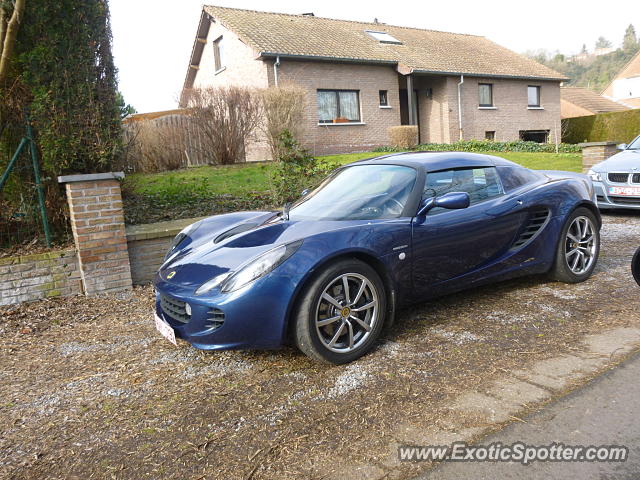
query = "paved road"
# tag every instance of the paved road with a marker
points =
(605, 411)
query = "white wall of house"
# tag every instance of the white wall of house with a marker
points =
(625, 88)
(240, 64)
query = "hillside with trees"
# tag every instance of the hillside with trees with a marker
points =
(594, 69)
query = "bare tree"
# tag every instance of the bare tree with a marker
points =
(8, 33)
(226, 118)
(283, 111)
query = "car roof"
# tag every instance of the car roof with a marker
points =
(434, 161)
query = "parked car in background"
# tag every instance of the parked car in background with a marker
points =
(617, 179)
(328, 273)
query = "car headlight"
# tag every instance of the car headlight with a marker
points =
(256, 268)
(595, 176)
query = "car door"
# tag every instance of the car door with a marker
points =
(448, 244)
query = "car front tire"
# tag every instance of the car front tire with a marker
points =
(341, 312)
(578, 248)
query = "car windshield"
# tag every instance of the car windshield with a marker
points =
(360, 192)
(635, 145)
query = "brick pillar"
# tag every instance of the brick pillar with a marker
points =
(596, 152)
(97, 222)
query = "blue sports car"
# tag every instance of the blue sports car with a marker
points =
(330, 271)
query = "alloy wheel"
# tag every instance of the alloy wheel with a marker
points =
(580, 245)
(347, 312)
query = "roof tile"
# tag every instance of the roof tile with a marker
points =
(421, 50)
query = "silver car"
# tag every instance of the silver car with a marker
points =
(617, 179)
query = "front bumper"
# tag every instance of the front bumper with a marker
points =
(253, 317)
(608, 201)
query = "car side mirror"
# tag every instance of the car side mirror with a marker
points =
(622, 146)
(451, 201)
(304, 192)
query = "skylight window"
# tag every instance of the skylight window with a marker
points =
(383, 37)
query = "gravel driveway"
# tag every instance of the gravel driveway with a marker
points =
(88, 389)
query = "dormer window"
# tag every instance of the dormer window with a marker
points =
(383, 37)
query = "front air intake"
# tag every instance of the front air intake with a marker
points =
(537, 220)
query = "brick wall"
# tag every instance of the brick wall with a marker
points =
(596, 152)
(34, 277)
(97, 223)
(510, 114)
(148, 244)
(368, 80)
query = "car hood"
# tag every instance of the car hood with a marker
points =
(624, 161)
(225, 242)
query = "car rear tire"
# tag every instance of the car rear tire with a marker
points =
(635, 266)
(578, 247)
(341, 312)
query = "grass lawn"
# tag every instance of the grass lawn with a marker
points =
(246, 178)
(205, 190)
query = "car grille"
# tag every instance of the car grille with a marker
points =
(215, 318)
(536, 222)
(635, 178)
(174, 308)
(619, 177)
(624, 200)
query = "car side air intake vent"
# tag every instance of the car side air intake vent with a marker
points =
(245, 227)
(537, 220)
(215, 318)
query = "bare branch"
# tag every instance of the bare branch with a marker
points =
(10, 39)
(3, 28)
(283, 110)
(226, 118)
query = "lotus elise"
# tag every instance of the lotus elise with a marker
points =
(328, 272)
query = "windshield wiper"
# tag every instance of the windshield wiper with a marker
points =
(285, 211)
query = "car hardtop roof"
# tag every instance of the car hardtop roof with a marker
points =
(434, 161)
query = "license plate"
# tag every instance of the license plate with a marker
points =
(165, 329)
(631, 191)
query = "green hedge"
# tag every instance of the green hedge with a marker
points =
(489, 146)
(614, 127)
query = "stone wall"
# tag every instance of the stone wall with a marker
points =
(34, 277)
(148, 244)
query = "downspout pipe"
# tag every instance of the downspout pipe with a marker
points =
(276, 64)
(460, 105)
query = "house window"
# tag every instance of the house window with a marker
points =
(383, 37)
(533, 95)
(539, 136)
(486, 95)
(490, 135)
(338, 106)
(384, 98)
(218, 54)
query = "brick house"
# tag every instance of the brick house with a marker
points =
(363, 78)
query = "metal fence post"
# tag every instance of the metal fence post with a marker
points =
(36, 173)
